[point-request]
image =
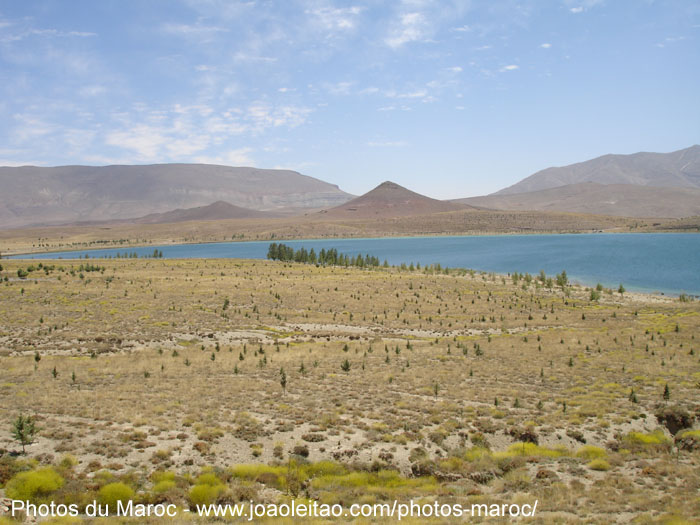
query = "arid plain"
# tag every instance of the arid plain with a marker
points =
(229, 380)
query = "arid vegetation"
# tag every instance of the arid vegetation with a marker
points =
(227, 380)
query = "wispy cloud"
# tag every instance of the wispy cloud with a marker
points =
(335, 18)
(509, 67)
(546, 45)
(46, 33)
(579, 6)
(199, 32)
(411, 27)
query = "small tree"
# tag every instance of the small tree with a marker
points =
(23, 431)
(621, 290)
(667, 393)
(345, 366)
(283, 380)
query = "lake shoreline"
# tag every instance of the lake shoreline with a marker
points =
(17, 255)
(652, 263)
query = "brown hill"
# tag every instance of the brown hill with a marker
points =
(389, 200)
(219, 210)
(622, 200)
(33, 195)
(678, 169)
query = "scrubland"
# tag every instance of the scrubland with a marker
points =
(226, 380)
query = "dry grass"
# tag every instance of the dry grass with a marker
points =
(465, 386)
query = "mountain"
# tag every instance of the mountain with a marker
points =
(679, 169)
(390, 200)
(217, 211)
(31, 195)
(625, 200)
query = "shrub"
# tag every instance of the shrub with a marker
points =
(204, 494)
(34, 485)
(208, 478)
(590, 452)
(530, 449)
(599, 464)
(641, 441)
(163, 486)
(111, 493)
(160, 475)
(674, 418)
(688, 440)
(301, 450)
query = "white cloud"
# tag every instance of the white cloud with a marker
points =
(189, 30)
(411, 28)
(411, 94)
(336, 19)
(455, 69)
(145, 141)
(186, 132)
(546, 45)
(509, 67)
(47, 33)
(394, 108)
(576, 10)
(248, 57)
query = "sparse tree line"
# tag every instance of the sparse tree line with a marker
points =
(331, 257)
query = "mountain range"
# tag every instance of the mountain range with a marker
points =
(638, 185)
(665, 185)
(68, 194)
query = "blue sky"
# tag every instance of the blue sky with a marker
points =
(449, 98)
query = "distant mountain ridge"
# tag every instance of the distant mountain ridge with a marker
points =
(623, 200)
(391, 200)
(678, 169)
(37, 195)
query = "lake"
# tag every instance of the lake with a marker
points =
(647, 262)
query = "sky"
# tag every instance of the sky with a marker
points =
(448, 98)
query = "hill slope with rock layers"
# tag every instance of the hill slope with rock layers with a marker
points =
(41, 196)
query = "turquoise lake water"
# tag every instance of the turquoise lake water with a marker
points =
(648, 262)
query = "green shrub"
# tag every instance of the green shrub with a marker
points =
(208, 478)
(111, 493)
(590, 452)
(163, 486)
(599, 464)
(654, 440)
(161, 475)
(530, 449)
(205, 494)
(34, 485)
